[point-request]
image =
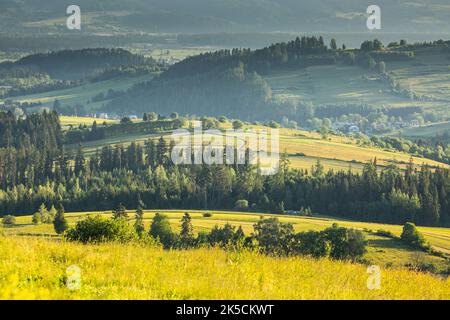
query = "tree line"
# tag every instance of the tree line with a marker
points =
(97, 132)
(36, 169)
(145, 173)
(76, 64)
(270, 236)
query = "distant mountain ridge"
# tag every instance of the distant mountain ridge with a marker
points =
(202, 16)
(76, 64)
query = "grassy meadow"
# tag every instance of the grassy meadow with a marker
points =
(323, 84)
(34, 262)
(426, 74)
(428, 131)
(34, 268)
(68, 121)
(382, 251)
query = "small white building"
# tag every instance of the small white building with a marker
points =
(415, 123)
(195, 124)
(103, 115)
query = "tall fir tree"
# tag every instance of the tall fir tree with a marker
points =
(120, 212)
(187, 230)
(60, 223)
(139, 221)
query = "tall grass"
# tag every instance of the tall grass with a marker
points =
(32, 268)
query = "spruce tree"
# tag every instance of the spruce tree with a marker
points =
(120, 212)
(161, 151)
(139, 221)
(187, 231)
(60, 222)
(333, 44)
(79, 161)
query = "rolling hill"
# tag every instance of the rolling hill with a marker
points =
(203, 16)
(83, 94)
(344, 202)
(303, 148)
(302, 79)
(44, 254)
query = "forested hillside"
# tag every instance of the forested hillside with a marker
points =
(42, 130)
(75, 64)
(239, 82)
(59, 70)
(225, 82)
(234, 92)
(138, 173)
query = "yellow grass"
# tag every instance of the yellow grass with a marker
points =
(335, 152)
(75, 121)
(439, 237)
(342, 149)
(382, 251)
(36, 269)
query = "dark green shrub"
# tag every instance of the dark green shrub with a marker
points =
(202, 238)
(241, 205)
(120, 212)
(385, 233)
(98, 229)
(357, 244)
(413, 237)
(9, 220)
(207, 215)
(59, 222)
(37, 218)
(312, 243)
(161, 229)
(237, 124)
(346, 244)
(228, 236)
(274, 237)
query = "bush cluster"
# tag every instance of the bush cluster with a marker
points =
(270, 237)
(96, 229)
(414, 238)
(8, 220)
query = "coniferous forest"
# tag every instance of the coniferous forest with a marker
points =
(36, 169)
